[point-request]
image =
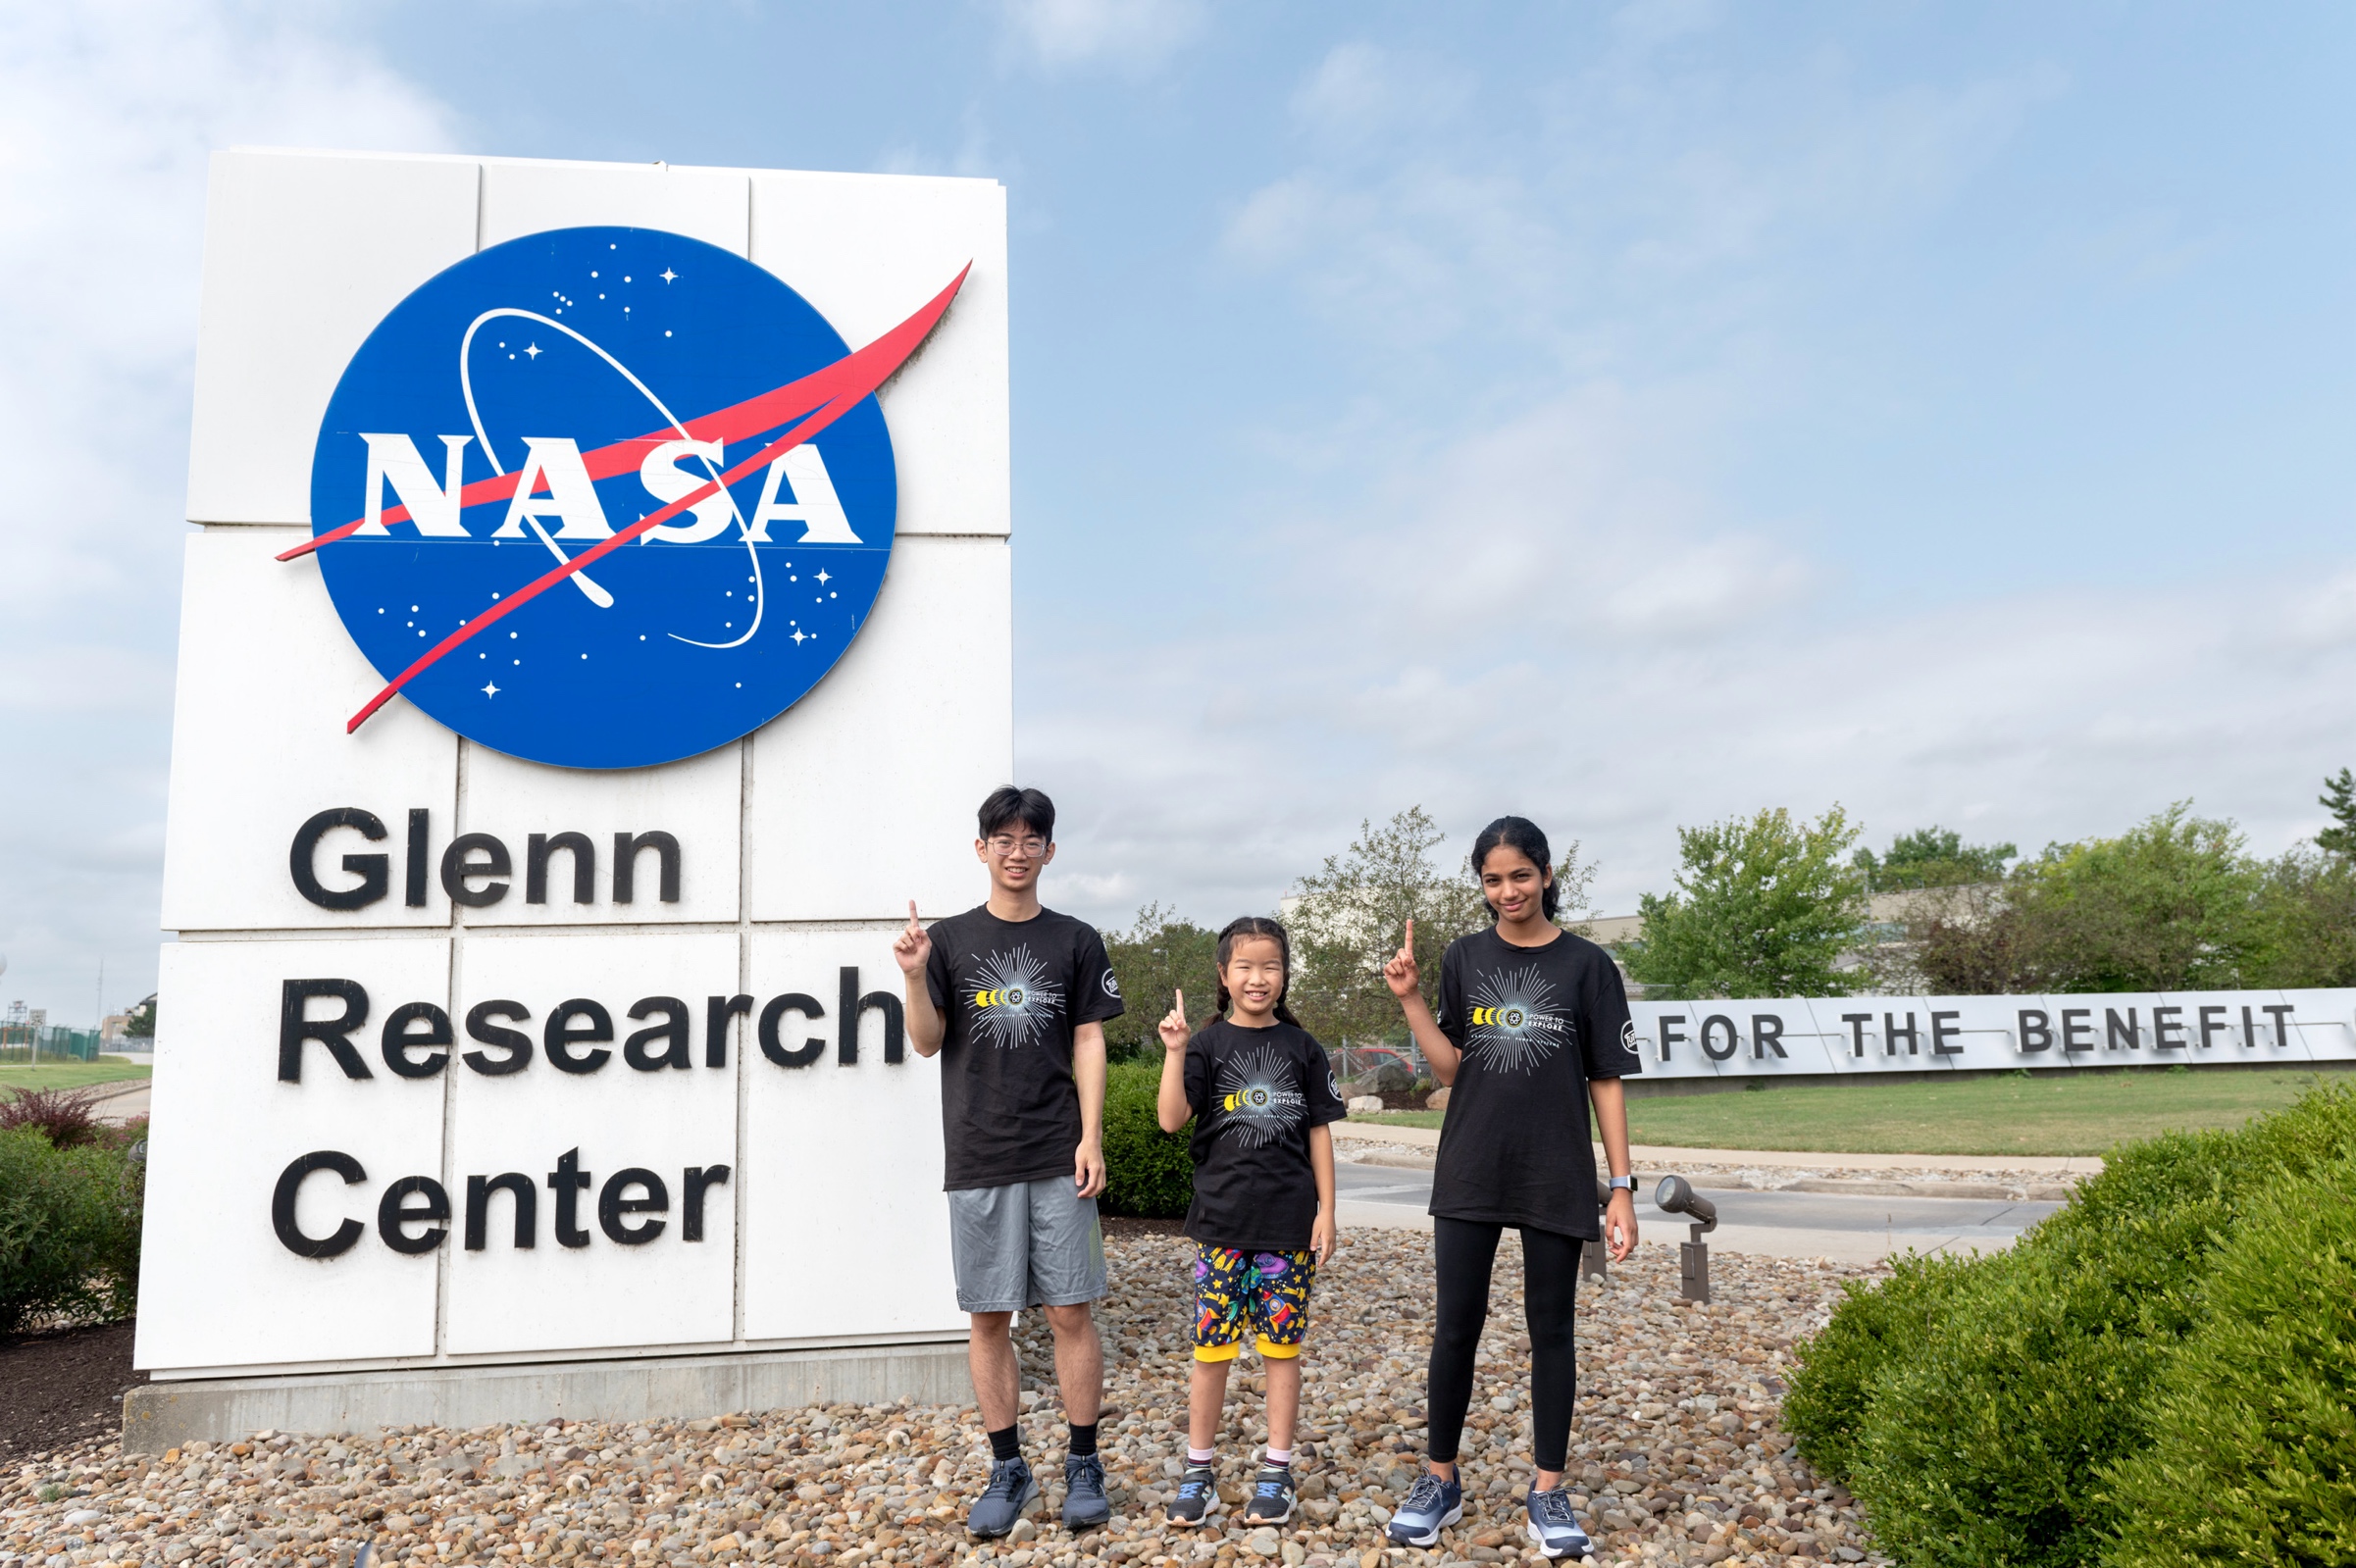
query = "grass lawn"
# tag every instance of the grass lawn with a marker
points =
(2046, 1114)
(69, 1075)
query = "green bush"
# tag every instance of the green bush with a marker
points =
(69, 1231)
(1979, 1408)
(1148, 1172)
(2253, 1454)
(1838, 1369)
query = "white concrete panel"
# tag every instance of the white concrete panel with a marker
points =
(523, 196)
(216, 1286)
(868, 251)
(847, 1231)
(305, 254)
(695, 801)
(863, 793)
(665, 1291)
(267, 679)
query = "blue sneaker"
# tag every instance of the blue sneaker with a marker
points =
(1012, 1490)
(1085, 1505)
(1272, 1496)
(1555, 1527)
(1432, 1505)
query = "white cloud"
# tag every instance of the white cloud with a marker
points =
(1128, 34)
(108, 112)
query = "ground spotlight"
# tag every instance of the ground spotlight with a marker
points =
(1675, 1196)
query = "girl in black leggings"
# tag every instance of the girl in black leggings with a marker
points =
(1534, 1026)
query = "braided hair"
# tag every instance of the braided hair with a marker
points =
(1519, 832)
(1255, 925)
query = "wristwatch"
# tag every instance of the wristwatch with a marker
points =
(1625, 1184)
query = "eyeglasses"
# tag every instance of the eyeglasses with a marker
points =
(1005, 845)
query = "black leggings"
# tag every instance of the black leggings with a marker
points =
(1465, 1251)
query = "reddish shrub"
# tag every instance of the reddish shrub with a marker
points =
(67, 1117)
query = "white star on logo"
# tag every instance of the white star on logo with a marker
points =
(798, 639)
(532, 350)
(667, 275)
(490, 690)
(823, 578)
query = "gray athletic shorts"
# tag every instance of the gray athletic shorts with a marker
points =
(1033, 1243)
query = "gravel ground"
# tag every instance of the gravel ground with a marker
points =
(1676, 1458)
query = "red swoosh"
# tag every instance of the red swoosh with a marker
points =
(823, 396)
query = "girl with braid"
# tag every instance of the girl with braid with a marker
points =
(1261, 1095)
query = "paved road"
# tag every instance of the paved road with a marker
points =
(1781, 1224)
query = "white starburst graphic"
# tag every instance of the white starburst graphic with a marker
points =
(1513, 1022)
(1012, 999)
(1258, 1094)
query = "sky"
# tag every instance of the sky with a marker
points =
(1628, 416)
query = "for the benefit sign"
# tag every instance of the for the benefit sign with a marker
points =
(597, 629)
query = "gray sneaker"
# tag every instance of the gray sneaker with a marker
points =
(1085, 1505)
(1272, 1496)
(1012, 1490)
(1555, 1527)
(1432, 1505)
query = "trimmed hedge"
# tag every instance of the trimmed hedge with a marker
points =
(69, 1231)
(1148, 1172)
(1988, 1411)
(2253, 1457)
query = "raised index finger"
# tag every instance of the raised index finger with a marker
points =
(1181, 995)
(1410, 935)
(913, 924)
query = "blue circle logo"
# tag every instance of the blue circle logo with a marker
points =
(606, 497)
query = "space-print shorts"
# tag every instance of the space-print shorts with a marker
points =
(1264, 1291)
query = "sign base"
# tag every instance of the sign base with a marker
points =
(161, 1416)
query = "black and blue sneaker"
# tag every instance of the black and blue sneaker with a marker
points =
(1272, 1496)
(1555, 1527)
(1432, 1505)
(1012, 1490)
(1198, 1495)
(1085, 1505)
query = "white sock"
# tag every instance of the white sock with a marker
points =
(1280, 1456)
(1201, 1456)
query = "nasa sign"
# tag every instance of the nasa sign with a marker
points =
(627, 399)
(597, 623)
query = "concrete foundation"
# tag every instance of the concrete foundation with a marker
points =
(163, 1415)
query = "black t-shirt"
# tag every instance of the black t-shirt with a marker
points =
(1535, 1025)
(1011, 994)
(1255, 1094)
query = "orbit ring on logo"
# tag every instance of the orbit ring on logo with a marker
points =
(606, 497)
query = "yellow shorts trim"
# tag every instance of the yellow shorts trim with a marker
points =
(1218, 1352)
(1269, 1350)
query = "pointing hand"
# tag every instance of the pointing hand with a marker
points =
(1400, 974)
(913, 947)
(1174, 1032)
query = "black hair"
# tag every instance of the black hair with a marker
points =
(1255, 925)
(1519, 832)
(1009, 805)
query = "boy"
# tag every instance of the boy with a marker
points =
(1012, 996)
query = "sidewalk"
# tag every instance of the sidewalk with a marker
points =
(1653, 1158)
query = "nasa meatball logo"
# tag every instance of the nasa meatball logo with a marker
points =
(607, 497)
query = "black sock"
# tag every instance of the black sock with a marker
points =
(1084, 1439)
(1007, 1444)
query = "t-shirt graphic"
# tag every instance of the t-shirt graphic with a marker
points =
(1258, 1091)
(1011, 994)
(1012, 999)
(1516, 1019)
(1255, 1094)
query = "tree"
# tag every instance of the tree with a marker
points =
(1763, 907)
(1933, 857)
(2340, 799)
(1160, 954)
(2172, 904)
(141, 1025)
(1347, 917)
